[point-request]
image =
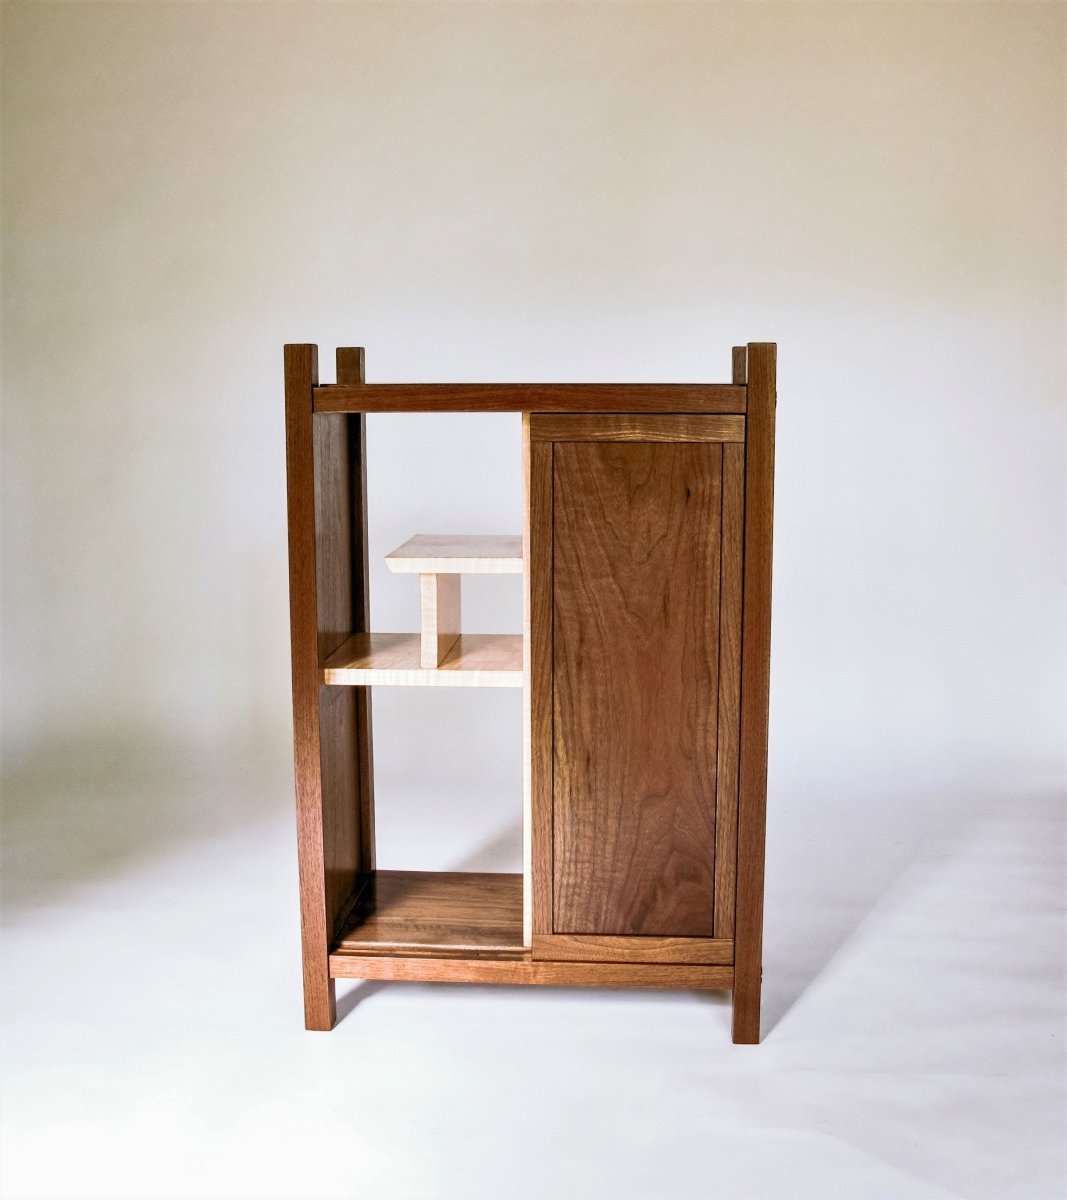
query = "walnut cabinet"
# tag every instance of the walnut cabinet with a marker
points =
(644, 664)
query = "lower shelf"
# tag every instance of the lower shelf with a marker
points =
(435, 912)
(466, 927)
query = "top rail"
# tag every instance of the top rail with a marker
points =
(532, 397)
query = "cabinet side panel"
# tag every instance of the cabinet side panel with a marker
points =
(539, 537)
(338, 730)
(350, 373)
(635, 686)
(333, 533)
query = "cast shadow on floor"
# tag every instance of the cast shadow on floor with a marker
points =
(830, 863)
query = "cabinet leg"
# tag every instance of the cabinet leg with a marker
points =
(746, 1012)
(320, 1004)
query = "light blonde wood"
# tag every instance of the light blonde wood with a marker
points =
(440, 613)
(476, 660)
(466, 553)
(730, 579)
(635, 427)
(576, 947)
(527, 746)
(521, 969)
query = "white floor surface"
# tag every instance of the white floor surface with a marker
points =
(152, 1047)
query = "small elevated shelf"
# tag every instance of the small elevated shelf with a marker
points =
(438, 913)
(475, 660)
(458, 554)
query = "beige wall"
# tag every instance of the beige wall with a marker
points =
(532, 191)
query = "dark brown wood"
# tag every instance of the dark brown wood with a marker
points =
(351, 373)
(424, 912)
(573, 947)
(523, 970)
(532, 397)
(323, 726)
(755, 691)
(648, 550)
(635, 686)
(730, 600)
(540, 616)
(631, 427)
(338, 733)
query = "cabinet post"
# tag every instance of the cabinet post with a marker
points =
(321, 615)
(301, 377)
(755, 688)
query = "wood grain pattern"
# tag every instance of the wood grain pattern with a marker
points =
(739, 363)
(440, 617)
(755, 691)
(350, 372)
(465, 553)
(523, 970)
(633, 427)
(635, 687)
(540, 584)
(338, 744)
(572, 947)
(730, 603)
(424, 911)
(532, 397)
(333, 532)
(395, 659)
(325, 752)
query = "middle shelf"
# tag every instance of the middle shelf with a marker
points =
(475, 660)
(438, 655)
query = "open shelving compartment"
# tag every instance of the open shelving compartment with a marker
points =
(376, 923)
(436, 913)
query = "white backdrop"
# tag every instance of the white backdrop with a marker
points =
(537, 191)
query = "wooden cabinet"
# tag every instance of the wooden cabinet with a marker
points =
(644, 662)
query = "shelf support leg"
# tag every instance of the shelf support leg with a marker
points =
(440, 613)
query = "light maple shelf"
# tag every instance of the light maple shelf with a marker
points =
(475, 660)
(458, 553)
